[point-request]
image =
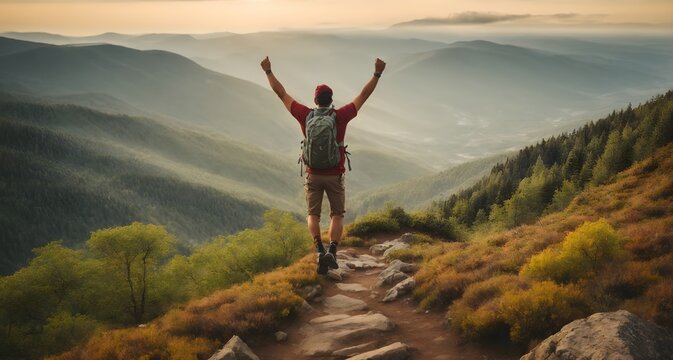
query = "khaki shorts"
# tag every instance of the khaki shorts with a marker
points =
(333, 185)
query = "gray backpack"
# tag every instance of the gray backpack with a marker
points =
(320, 149)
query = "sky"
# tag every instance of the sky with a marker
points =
(89, 17)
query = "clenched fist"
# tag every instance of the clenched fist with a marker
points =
(266, 64)
(379, 66)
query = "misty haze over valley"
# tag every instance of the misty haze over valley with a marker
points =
(196, 109)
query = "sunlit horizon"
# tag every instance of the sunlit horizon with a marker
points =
(85, 18)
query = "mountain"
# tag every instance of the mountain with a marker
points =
(163, 83)
(499, 94)
(70, 170)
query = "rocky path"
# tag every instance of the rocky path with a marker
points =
(349, 318)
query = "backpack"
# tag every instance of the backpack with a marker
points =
(320, 149)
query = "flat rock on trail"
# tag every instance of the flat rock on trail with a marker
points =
(349, 320)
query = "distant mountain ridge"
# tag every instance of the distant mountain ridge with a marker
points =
(156, 81)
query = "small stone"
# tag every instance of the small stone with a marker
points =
(394, 351)
(331, 274)
(407, 238)
(234, 349)
(351, 287)
(353, 350)
(280, 336)
(305, 307)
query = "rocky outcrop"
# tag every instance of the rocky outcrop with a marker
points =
(234, 349)
(613, 335)
(394, 273)
(400, 289)
(327, 334)
(395, 351)
(358, 262)
(386, 247)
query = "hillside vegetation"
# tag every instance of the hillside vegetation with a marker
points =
(545, 176)
(69, 170)
(127, 275)
(611, 248)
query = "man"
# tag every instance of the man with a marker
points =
(330, 180)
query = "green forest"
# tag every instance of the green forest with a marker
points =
(128, 275)
(544, 177)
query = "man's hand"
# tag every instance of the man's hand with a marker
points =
(266, 64)
(379, 66)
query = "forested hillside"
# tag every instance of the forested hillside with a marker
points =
(69, 170)
(546, 176)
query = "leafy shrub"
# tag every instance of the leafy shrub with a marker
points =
(372, 223)
(581, 255)
(64, 330)
(433, 224)
(353, 241)
(140, 343)
(423, 251)
(192, 331)
(541, 310)
(477, 314)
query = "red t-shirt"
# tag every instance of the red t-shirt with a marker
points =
(344, 114)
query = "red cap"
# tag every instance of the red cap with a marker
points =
(322, 88)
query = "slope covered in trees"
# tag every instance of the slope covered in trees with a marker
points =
(545, 176)
(69, 170)
(130, 274)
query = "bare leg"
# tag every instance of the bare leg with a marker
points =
(336, 228)
(313, 222)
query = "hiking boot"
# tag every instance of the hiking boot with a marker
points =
(330, 261)
(332, 250)
(322, 265)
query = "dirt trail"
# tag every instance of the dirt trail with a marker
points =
(423, 332)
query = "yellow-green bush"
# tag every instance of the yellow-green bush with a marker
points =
(581, 255)
(433, 224)
(541, 310)
(372, 223)
(194, 331)
(353, 241)
(477, 315)
(140, 343)
(418, 252)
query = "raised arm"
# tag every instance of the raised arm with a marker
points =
(369, 87)
(276, 86)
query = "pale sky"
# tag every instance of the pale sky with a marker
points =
(89, 17)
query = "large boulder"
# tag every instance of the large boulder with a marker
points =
(400, 289)
(612, 335)
(234, 349)
(327, 334)
(394, 351)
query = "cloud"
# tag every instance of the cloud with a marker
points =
(480, 18)
(465, 18)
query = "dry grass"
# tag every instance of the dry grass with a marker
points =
(478, 277)
(196, 329)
